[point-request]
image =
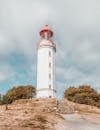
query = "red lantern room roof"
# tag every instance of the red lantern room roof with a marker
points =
(46, 28)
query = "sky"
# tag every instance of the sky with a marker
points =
(76, 27)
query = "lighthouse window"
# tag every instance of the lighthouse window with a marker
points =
(50, 53)
(50, 65)
(49, 76)
(49, 86)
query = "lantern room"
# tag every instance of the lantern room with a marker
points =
(46, 32)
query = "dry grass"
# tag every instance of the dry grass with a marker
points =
(24, 115)
(37, 114)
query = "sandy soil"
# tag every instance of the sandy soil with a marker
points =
(26, 119)
(40, 114)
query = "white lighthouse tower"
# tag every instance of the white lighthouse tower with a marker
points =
(46, 64)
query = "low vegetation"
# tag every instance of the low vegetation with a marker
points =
(83, 94)
(19, 92)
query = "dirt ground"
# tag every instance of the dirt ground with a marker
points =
(82, 121)
(30, 115)
(40, 114)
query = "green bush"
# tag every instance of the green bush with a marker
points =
(83, 94)
(6, 100)
(19, 92)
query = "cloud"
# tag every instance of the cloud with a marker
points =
(6, 72)
(76, 26)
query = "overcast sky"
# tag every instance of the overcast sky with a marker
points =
(76, 26)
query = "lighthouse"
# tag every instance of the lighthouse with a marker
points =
(46, 64)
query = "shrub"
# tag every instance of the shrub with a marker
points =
(20, 92)
(83, 94)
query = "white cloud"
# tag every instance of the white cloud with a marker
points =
(76, 25)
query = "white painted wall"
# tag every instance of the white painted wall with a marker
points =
(43, 71)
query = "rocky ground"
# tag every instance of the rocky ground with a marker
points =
(47, 114)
